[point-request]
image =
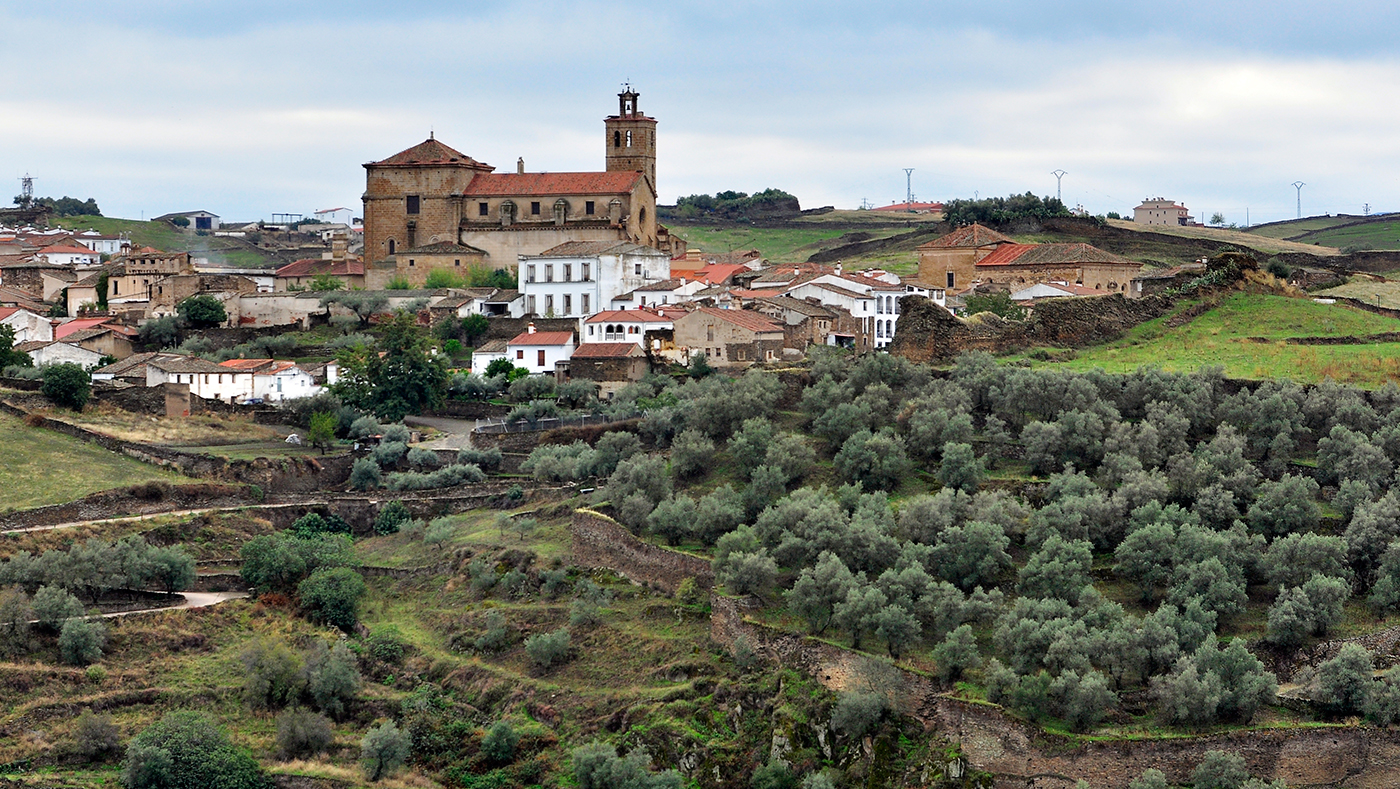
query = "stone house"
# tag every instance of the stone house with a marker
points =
(676, 290)
(489, 352)
(729, 338)
(29, 326)
(104, 339)
(1160, 211)
(205, 378)
(300, 274)
(611, 365)
(413, 265)
(976, 254)
(808, 323)
(430, 194)
(59, 352)
(70, 254)
(274, 381)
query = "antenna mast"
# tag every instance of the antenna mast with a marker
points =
(27, 188)
(1059, 174)
(909, 188)
(1299, 186)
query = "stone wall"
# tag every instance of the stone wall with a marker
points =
(502, 328)
(928, 333)
(600, 541)
(144, 499)
(1020, 755)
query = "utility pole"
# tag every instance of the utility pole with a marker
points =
(1059, 175)
(909, 188)
(1299, 186)
(1365, 209)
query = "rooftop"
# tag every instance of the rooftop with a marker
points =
(968, 236)
(588, 249)
(541, 184)
(543, 338)
(639, 315)
(744, 319)
(607, 350)
(1050, 255)
(429, 152)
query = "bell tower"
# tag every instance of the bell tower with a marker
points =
(631, 138)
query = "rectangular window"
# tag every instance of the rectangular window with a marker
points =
(535, 208)
(583, 303)
(411, 204)
(519, 355)
(482, 209)
(583, 272)
(638, 269)
(539, 359)
(568, 304)
(411, 263)
(568, 272)
(950, 279)
(456, 262)
(588, 207)
(549, 272)
(531, 305)
(549, 305)
(530, 273)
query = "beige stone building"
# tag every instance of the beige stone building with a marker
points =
(431, 195)
(729, 338)
(1160, 211)
(975, 254)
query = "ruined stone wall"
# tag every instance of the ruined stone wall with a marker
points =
(600, 541)
(143, 499)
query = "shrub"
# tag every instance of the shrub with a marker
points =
(67, 385)
(1220, 770)
(386, 643)
(95, 737)
(302, 733)
(15, 615)
(956, 654)
(332, 595)
(423, 458)
(857, 714)
(877, 461)
(548, 649)
(364, 475)
(494, 636)
(960, 469)
(598, 766)
(54, 605)
(499, 743)
(333, 677)
(272, 675)
(439, 530)
(188, 749)
(773, 775)
(391, 516)
(481, 458)
(691, 453)
(1345, 683)
(364, 427)
(384, 750)
(388, 453)
(446, 477)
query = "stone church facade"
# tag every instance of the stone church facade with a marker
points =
(438, 207)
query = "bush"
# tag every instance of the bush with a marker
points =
(53, 605)
(548, 649)
(302, 733)
(691, 453)
(494, 636)
(384, 750)
(386, 643)
(95, 737)
(272, 675)
(364, 475)
(423, 458)
(498, 745)
(856, 714)
(956, 654)
(481, 458)
(332, 596)
(598, 766)
(67, 385)
(333, 677)
(188, 749)
(960, 469)
(388, 453)
(877, 461)
(390, 517)
(15, 615)
(202, 311)
(1345, 682)
(1220, 770)
(446, 477)
(439, 531)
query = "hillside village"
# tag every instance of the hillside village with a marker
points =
(508, 479)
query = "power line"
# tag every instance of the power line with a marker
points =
(1299, 186)
(1059, 174)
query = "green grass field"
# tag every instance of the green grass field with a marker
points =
(783, 245)
(1298, 227)
(39, 467)
(1372, 235)
(1245, 334)
(219, 251)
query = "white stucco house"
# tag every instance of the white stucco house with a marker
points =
(624, 325)
(206, 379)
(274, 381)
(69, 255)
(29, 326)
(580, 278)
(57, 352)
(539, 351)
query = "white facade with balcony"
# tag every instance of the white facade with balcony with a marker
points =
(580, 278)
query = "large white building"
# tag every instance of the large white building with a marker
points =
(580, 278)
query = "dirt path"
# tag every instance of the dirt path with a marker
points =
(192, 600)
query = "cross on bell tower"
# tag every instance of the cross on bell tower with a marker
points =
(630, 138)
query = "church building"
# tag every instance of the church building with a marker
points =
(434, 207)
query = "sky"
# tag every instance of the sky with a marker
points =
(253, 108)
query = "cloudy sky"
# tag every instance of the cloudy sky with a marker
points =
(251, 108)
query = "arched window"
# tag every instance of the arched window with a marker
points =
(629, 138)
(889, 328)
(392, 246)
(879, 329)
(561, 211)
(507, 212)
(617, 139)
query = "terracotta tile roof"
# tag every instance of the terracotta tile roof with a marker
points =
(799, 306)
(541, 184)
(33, 345)
(588, 249)
(313, 266)
(64, 249)
(6, 312)
(64, 329)
(745, 293)
(1051, 255)
(973, 235)
(607, 350)
(638, 315)
(543, 338)
(430, 151)
(444, 248)
(672, 284)
(837, 289)
(718, 274)
(184, 364)
(744, 319)
(492, 346)
(86, 334)
(260, 366)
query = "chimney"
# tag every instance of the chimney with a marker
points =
(340, 244)
(530, 329)
(838, 269)
(520, 166)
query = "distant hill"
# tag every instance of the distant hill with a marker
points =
(1347, 232)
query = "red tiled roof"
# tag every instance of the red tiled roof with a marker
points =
(528, 184)
(265, 366)
(1051, 255)
(63, 249)
(6, 312)
(973, 235)
(744, 319)
(639, 315)
(756, 294)
(606, 350)
(313, 266)
(588, 249)
(718, 274)
(430, 151)
(543, 338)
(64, 329)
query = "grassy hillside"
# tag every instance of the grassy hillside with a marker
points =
(1245, 334)
(1380, 234)
(219, 251)
(1246, 240)
(39, 467)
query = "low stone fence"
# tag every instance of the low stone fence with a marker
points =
(600, 541)
(146, 499)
